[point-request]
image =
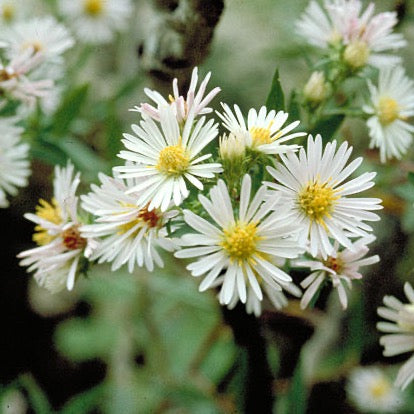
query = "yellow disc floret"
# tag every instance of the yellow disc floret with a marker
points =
(388, 110)
(8, 11)
(356, 54)
(316, 200)
(240, 241)
(145, 217)
(334, 263)
(93, 7)
(379, 388)
(173, 160)
(49, 212)
(260, 135)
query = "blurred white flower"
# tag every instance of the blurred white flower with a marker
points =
(14, 163)
(364, 36)
(243, 248)
(13, 10)
(96, 21)
(55, 262)
(314, 182)
(340, 267)
(126, 233)
(370, 389)
(195, 102)
(392, 103)
(400, 332)
(43, 35)
(167, 158)
(263, 131)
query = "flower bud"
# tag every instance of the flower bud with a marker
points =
(232, 146)
(316, 88)
(356, 54)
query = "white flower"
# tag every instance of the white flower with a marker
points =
(372, 391)
(55, 262)
(43, 35)
(243, 247)
(194, 102)
(263, 131)
(400, 332)
(314, 182)
(96, 21)
(126, 233)
(15, 78)
(364, 36)
(12, 10)
(166, 158)
(392, 103)
(340, 267)
(14, 163)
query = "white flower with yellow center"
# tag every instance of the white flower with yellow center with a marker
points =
(55, 262)
(125, 233)
(364, 37)
(314, 181)
(264, 131)
(96, 21)
(12, 10)
(391, 105)
(166, 158)
(194, 102)
(371, 390)
(400, 332)
(14, 163)
(44, 35)
(341, 267)
(241, 246)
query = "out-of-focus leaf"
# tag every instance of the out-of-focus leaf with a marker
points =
(68, 110)
(47, 152)
(294, 107)
(38, 399)
(411, 177)
(113, 133)
(405, 191)
(83, 339)
(327, 127)
(297, 395)
(84, 158)
(86, 402)
(276, 98)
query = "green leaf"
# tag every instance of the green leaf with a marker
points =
(276, 97)
(294, 106)
(411, 177)
(297, 395)
(68, 110)
(327, 127)
(86, 402)
(113, 133)
(38, 399)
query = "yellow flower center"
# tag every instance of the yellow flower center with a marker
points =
(48, 212)
(145, 217)
(388, 110)
(317, 200)
(35, 44)
(72, 238)
(407, 326)
(334, 263)
(240, 241)
(260, 135)
(8, 11)
(173, 160)
(356, 54)
(379, 388)
(94, 7)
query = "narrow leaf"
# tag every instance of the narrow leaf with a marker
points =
(276, 97)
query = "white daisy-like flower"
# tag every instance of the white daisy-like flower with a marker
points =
(55, 262)
(242, 245)
(96, 21)
(365, 37)
(314, 182)
(166, 158)
(127, 234)
(341, 268)
(264, 131)
(12, 10)
(15, 78)
(391, 104)
(43, 35)
(14, 163)
(194, 102)
(370, 389)
(399, 337)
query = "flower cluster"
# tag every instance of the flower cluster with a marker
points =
(183, 190)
